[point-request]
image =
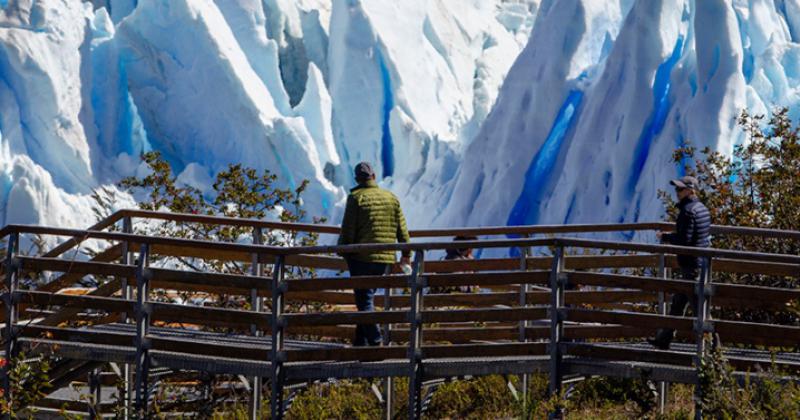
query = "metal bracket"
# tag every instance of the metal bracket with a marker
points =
(561, 314)
(281, 323)
(705, 327)
(283, 288)
(13, 264)
(145, 309)
(563, 279)
(145, 343)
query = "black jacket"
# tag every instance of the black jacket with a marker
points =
(693, 228)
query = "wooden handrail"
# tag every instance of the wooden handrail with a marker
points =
(460, 318)
(444, 232)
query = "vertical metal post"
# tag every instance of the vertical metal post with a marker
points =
(387, 340)
(524, 288)
(701, 326)
(663, 273)
(12, 311)
(556, 324)
(95, 391)
(142, 329)
(256, 305)
(415, 374)
(127, 294)
(276, 355)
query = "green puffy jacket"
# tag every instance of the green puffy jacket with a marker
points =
(373, 215)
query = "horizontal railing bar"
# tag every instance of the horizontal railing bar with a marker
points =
(619, 353)
(474, 231)
(360, 248)
(30, 264)
(395, 317)
(230, 221)
(241, 281)
(676, 250)
(336, 283)
(483, 315)
(634, 319)
(612, 352)
(738, 292)
(74, 301)
(630, 282)
(172, 312)
(487, 278)
(335, 318)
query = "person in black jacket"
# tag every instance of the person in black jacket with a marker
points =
(692, 228)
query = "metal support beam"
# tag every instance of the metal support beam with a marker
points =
(702, 314)
(95, 393)
(388, 388)
(556, 325)
(278, 325)
(256, 382)
(127, 294)
(663, 273)
(415, 374)
(11, 266)
(524, 288)
(142, 316)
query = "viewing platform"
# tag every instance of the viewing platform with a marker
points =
(570, 307)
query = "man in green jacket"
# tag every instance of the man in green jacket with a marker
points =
(372, 216)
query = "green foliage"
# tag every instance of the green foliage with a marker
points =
(236, 192)
(611, 391)
(479, 398)
(29, 382)
(345, 400)
(761, 396)
(758, 186)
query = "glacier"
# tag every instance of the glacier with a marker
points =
(474, 112)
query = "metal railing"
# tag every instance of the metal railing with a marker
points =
(542, 326)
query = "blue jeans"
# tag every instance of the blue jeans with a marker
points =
(366, 334)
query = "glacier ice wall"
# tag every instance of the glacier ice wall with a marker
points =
(479, 112)
(304, 88)
(584, 127)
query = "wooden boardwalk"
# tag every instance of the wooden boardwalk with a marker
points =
(564, 306)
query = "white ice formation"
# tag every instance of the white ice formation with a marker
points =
(475, 112)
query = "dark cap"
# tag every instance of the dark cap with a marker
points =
(686, 182)
(363, 171)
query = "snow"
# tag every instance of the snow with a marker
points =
(474, 112)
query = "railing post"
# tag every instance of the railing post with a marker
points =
(95, 391)
(256, 305)
(524, 288)
(663, 273)
(11, 264)
(127, 294)
(276, 355)
(387, 340)
(556, 325)
(142, 329)
(701, 326)
(415, 375)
